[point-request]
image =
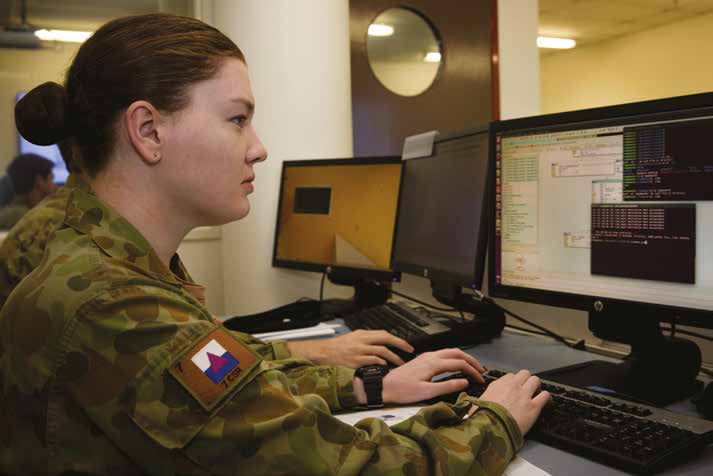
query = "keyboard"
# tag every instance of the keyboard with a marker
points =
(411, 324)
(636, 438)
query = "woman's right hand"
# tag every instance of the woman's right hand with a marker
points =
(411, 382)
(515, 393)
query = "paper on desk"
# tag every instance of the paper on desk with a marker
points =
(391, 416)
(320, 330)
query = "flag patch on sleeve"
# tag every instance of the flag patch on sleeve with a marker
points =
(213, 367)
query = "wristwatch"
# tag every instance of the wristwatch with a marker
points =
(373, 376)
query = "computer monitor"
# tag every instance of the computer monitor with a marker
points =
(337, 216)
(610, 210)
(441, 223)
(441, 227)
(49, 152)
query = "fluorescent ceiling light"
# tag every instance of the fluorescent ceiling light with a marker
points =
(558, 43)
(379, 29)
(63, 35)
(432, 57)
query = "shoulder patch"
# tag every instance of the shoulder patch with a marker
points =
(213, 367)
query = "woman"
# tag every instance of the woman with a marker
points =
(111, 363)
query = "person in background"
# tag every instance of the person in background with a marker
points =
(32, 180)
(22, 248)
(7, 191)
(112, 365)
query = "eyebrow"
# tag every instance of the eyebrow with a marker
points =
(249, 104)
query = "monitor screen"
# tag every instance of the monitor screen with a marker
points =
(50, 152)
(337, 213)
(442, 217)
(611, 203)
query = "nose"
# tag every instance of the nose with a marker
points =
(256, 151)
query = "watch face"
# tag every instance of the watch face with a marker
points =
(372, 370)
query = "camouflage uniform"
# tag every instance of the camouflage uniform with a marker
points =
(96, 346)
(24, 245)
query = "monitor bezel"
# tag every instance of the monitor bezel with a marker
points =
(690, 106)
(475, 281)
(381, 274)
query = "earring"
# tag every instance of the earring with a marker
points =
(157, 156)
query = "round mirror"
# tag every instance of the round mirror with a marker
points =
(404, 51)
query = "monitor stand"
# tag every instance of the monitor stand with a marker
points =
(488, 321)
(371, 288)
(659, 370)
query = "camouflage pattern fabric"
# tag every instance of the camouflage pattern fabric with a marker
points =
(23, 247)
(87, 342)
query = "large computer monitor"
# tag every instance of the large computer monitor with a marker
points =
(337, 216)
(442, 223)
(610, 210)
(49, 152)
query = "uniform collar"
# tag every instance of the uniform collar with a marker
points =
(118, 238)
(77, 181)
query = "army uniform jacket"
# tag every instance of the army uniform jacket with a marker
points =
(111, 366)
(23, 247)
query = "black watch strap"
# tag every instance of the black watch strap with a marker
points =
(373, 376)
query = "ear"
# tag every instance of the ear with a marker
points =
(144, 127)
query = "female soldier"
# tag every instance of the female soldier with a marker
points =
(111, 365)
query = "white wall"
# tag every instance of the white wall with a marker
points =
(298, 58)
(518, 60)
(22, 70)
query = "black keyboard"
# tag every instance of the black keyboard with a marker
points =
(634, 437)
(412, 325)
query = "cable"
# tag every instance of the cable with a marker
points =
(321, 288)
(525, 329)
(579, 345)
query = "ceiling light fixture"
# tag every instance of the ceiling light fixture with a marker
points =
(68, 36)
(557, 43)
(379, 29)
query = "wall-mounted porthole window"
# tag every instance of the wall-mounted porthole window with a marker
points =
(404, 51)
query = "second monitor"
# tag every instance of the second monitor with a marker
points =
(337, 216)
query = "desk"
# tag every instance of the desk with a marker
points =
(514, 351)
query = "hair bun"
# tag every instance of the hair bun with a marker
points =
(42, 116)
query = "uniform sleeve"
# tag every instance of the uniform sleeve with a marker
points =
(277, 420)
(274, 350)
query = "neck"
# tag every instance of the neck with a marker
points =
(146, 210)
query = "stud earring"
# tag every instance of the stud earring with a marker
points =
(157, 156)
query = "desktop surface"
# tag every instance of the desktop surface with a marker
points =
(514, 351)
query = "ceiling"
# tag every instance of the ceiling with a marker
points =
(592, 21)
(587, 21)
(84, 14)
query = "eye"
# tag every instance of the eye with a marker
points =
(240, 120)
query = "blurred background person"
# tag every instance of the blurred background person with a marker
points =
(32, 180)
